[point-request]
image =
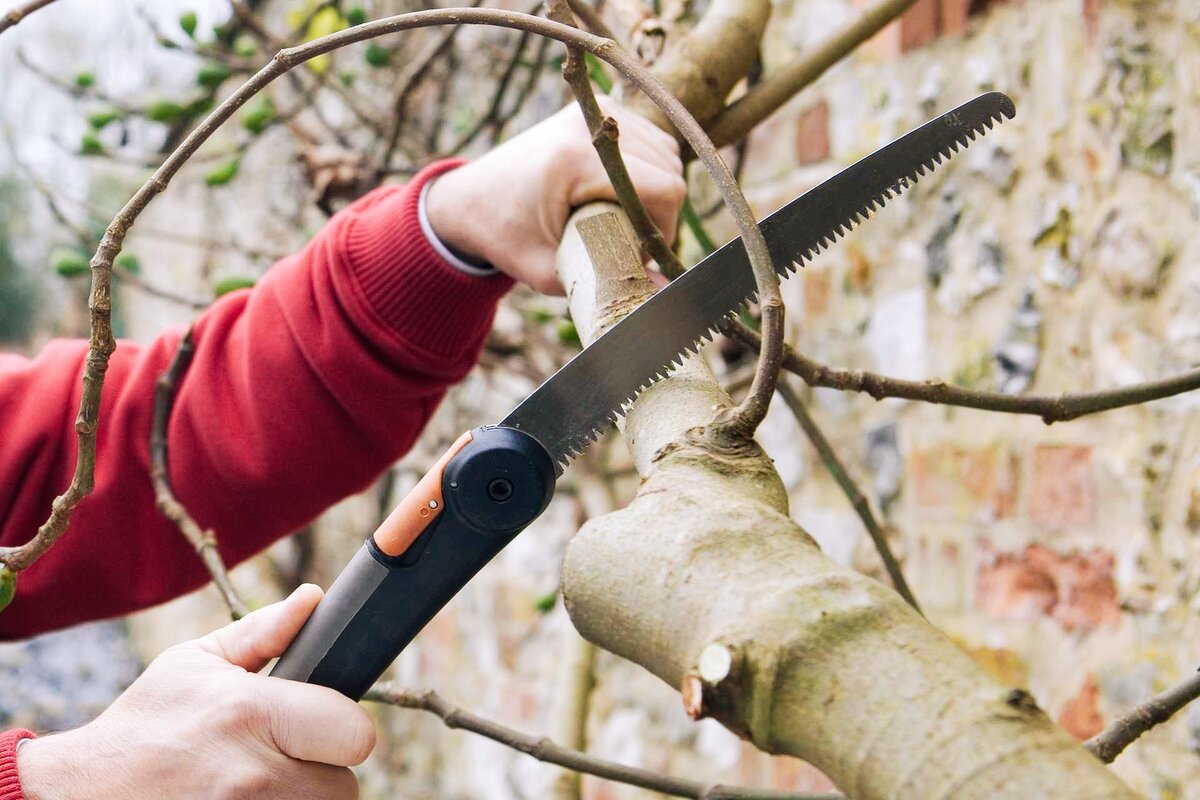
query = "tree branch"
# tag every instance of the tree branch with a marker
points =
(1124, 731)
(1051, 408)
(860, 503)
(545, 750)
(605, 139)
(102, 342)
(776, 89)
(204, 541)
(12, 18)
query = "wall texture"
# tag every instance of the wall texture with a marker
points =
(1057, 254)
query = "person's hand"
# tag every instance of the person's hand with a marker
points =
(510, 207)
(200, 724)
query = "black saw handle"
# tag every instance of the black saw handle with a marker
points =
(485, 490)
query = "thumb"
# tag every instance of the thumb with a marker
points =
(264, 634)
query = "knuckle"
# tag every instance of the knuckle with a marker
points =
(239, 711)
(246, 782)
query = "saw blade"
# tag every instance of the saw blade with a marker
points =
(584, 398)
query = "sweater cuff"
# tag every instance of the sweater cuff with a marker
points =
(406, 285)
(10, 782)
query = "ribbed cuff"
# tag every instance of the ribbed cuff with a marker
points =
(10, 782)
(406, 285)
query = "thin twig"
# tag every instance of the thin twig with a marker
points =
(204, 541)
(591, 19)
(605, 139)
(861, 505)
(1051, 408)
(407, 80)
(526, 92)
(102, 342)
(777, 88)
(19, 13)
(545, 750)
(1124, 731)
(491, 117)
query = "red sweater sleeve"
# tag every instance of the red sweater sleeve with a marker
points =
(302, 391)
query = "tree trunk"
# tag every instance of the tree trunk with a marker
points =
(800, 655)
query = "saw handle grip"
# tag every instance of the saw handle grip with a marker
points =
(488, 487)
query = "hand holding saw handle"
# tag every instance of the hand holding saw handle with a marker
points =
(494, 481)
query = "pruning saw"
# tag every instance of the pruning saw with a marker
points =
(495, 480)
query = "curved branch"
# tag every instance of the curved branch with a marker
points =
(545, 750)
(102, 342)
(12, 18)
(776, 89)
(1124, 731)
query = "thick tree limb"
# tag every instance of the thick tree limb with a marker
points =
(204, 541)
(1124, 731)
(861, 505)
(777, 88)
(1051, 408)
(823, 663)
(544, 749)
(19, 13)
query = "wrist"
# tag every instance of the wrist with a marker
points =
(46, 769)
(452, 210)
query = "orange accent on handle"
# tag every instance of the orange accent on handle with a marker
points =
(419, 508)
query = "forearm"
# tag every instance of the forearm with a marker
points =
(301, 391)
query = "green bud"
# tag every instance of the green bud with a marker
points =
(90, 145)
(8, 587)
(378, 56)
(569, 334)
(212, 75)
(69, 263)
(165, 111)
(227, 285)
(347, 78)
(224, 173)
(540, 315)
(100, 119)
(356, 15)
(128, 262)
(187, 21)
(85, 80)
(259, 114)
(545, 603)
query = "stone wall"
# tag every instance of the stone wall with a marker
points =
(1054, 255)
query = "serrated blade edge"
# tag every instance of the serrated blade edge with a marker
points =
(583, 399)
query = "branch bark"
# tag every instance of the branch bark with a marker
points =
(826, 664)
(1124, 731)
(776, 89)
(544, 749)
(14, 17)
(1051, 408)
(204, 541)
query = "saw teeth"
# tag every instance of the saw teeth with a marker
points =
(838, 229)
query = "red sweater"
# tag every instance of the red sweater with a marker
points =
(302, 391)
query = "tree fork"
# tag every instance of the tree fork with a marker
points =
(830, 665)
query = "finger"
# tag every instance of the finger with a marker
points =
(263, 634)
(313, 723)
